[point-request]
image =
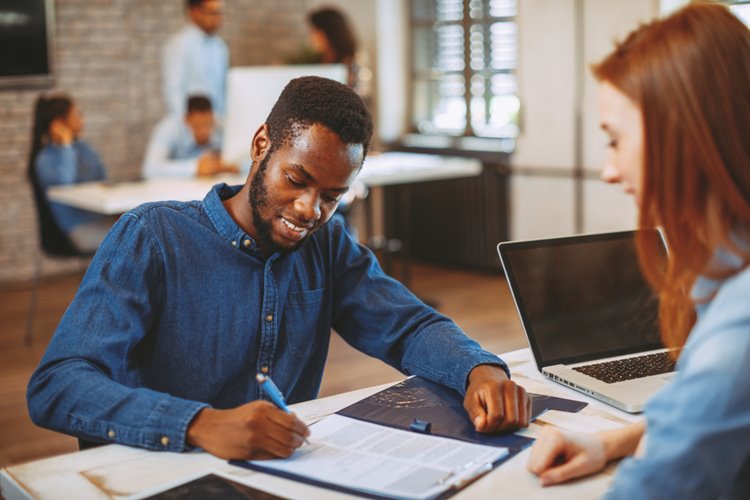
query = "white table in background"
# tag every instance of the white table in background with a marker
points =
(115, 471)
(112, 198)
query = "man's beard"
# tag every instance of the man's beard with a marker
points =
(258, 199)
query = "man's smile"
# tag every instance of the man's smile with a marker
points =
(293, 231)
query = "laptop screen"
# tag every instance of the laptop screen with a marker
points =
(583, 297)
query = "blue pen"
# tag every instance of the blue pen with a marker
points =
(273, 392)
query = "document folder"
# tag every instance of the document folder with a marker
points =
(412, 440)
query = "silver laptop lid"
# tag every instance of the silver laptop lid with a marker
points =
(582, 298)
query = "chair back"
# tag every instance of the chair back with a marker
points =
(53, 240)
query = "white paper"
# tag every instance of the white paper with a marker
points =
(391, 462)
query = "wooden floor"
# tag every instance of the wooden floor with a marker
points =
(479, 303)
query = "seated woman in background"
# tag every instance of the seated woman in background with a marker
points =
(58, 157)
(675, 102)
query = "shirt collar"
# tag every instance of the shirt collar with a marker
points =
(223, 222)
(724, 258)
(197, 31)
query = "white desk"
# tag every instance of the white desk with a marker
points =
(115, 471)
(379, 170)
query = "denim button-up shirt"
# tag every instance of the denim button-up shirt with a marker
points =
(179, 310)
(698, 427)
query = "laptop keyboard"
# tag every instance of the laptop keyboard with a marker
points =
(629, 368)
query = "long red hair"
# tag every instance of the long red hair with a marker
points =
(690, 75)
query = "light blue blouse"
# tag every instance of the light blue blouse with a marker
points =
(59, 165)
(698, 427)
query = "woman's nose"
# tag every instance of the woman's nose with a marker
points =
(610, 174)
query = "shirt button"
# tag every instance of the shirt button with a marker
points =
(165, 441)
(269, 317)
(111, 434)
(264, 369)
(247, 243)
(234, 243)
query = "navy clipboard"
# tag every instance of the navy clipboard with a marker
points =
(419, 400)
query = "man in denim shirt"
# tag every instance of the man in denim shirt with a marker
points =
(185, 302)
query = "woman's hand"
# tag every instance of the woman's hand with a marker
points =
(60, 133)
(559, 456)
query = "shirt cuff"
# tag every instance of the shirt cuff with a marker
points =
(166, 429)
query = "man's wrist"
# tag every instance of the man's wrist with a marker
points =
(196, 430)
(486, 370)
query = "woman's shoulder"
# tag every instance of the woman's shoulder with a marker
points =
(52, 153)
(721, 336)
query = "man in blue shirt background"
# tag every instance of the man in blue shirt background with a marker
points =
(186, 146)
(195, 59)
(185, 302)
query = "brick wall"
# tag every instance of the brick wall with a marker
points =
(107, 55)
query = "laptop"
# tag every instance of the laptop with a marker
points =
(589, 316)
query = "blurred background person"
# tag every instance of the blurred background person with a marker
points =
(59, 157)
(332, 41)
(186, 146)
(196, 59)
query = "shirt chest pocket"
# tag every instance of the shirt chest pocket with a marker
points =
(306, 324)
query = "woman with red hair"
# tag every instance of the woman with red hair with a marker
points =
(674, 100)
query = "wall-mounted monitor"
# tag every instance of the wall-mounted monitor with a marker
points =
(26, 36)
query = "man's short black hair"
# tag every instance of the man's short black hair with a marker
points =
(199, 104)
(309, 100)
(193, 3)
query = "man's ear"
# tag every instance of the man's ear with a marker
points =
(261, 144)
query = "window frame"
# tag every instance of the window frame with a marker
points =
(430, 76)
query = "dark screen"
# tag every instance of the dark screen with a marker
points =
(583, 297)
(23, 38)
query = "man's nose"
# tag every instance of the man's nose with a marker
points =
(308, 207)
(610, 174)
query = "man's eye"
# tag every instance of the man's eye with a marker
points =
(331, 199)
(293, 182)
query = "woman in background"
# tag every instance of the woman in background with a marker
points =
(332, 41)
(58, 157)
(675, 102)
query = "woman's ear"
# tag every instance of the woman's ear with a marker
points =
(261, 144)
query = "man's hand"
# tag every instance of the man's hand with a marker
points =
(230, 168)
(252, 431)
(208, 164)
(495, 403)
